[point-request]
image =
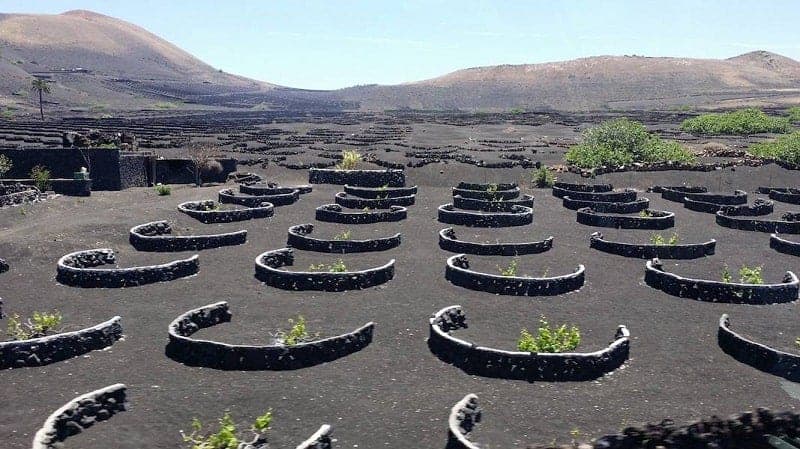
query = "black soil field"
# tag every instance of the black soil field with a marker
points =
(395, 393)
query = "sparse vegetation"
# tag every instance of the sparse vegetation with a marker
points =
(726, 274)
(297, 333)
(543, 177)
(658, 239)
(622, 142)
(336, 267)
(5, 165)
(743, 121)
(646, 213)
(227, 436)
(784, 148)
(38, 325)
(165, 105)
(344, 235)
(41, 177)
(794, 114)
(549, 339)
(750, 275)
(509, 270)
(350, 159)
(163, 190)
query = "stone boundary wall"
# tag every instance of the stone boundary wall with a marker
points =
(268, 264)
(204, 212)
(650, 251)
(518, 365)
(212, 354)
(334, 213)
(79, 414)
(271, 189)
(759, 207)
(77, 270)
(458, 273)
(748, 224)
(498, 195)
(738, 197)
(3, 265)
(358, 178)
(595, 188)
(463, 417)
(55, 348)
(787, 195)
(321, 439)
(632, 207)
(22, 196)
(492, 206)
(622, 196)
(157, 236)
(677, 193)
(659, 221)
(775, 242)
(757, 355)
(299, 238)
(717, 291)
(449, 242)
(352, 202)
(519, 216)
(485, 186)
(374, 193)
(227, 196)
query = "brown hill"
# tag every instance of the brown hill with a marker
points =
(97, 62)
(602, 82)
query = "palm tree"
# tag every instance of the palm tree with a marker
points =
(40, 86)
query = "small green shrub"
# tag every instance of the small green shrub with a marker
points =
(350, 159)
(543, 177)
(750, 275)
(298, 333)
(794, 114)
(784, 148)
(41, 177)
(726, 274)
(344, 235)
(555, 339)
(622, 142)
(5, 165)
(226, 436)
(646, 213)
(336, 267)
(658, 239)
(163, 190)
(492, 188)
(39, 325)
(509, 270)
(743, 121)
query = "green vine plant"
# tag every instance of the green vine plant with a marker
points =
(344, 235)
(543, 177)
(350, 159)
(336, 267)
(509, 270)
(658, 239)
(227, 435)
(38, 325)
(726, 274)
(549, 339)
(646, 214)
(297, 333)
(751, 275)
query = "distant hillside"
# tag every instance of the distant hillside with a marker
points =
(96, 61)
(602, 82)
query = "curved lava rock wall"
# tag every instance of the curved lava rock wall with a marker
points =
(789, 225)
(649, 251)
(623, 196)
(758, 356)
(358, 178)
(334, 213)
(782, 245)
(226, 196)
(519, 216)
(204, 211)
(491, 206)
(610, 208)
(380, 192)
(157, 236)
(449, 242)
(77, 270)
(299, 238)
(658, 220)
(457, 271)
(596, 188)
(268, 264)
(352, 202)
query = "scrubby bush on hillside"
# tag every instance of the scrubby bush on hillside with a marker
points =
(794, 114)
(784, 148)
(622, 142)
(743, 121)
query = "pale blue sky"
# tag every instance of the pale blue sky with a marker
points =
(329, 44)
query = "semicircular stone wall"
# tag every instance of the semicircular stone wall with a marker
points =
(353, 202)
(358, 178)
(457, 272)
(334, 213)
(492, 206)
(519, 216)
(632, 207)
(789, 224)
(212, 354)
(757, 355)
(650, 251)
(530, 366)
(299, 237)
(379, 192)
(78, 270)
(227, 196)
(268, 270)
(157, 236)
(717, 291)
(207, 211)
(449, 242)
(784, 246)
(656, 219)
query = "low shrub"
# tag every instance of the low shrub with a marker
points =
(726, 274)
(5, 165)
(743, 121)
(543, 177)
(784, 148)
(163, 190)
(344, 235)
(646, 213)
(794, 114)
(350, 159)
(38, 325)
(227, 436)
(336, 267)
(658, 239)
(750, 275)
(509, 270)
(622, 142)
(41, 177)
(549, 339)
(297, 333)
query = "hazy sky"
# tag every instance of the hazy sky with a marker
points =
(328, 44)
